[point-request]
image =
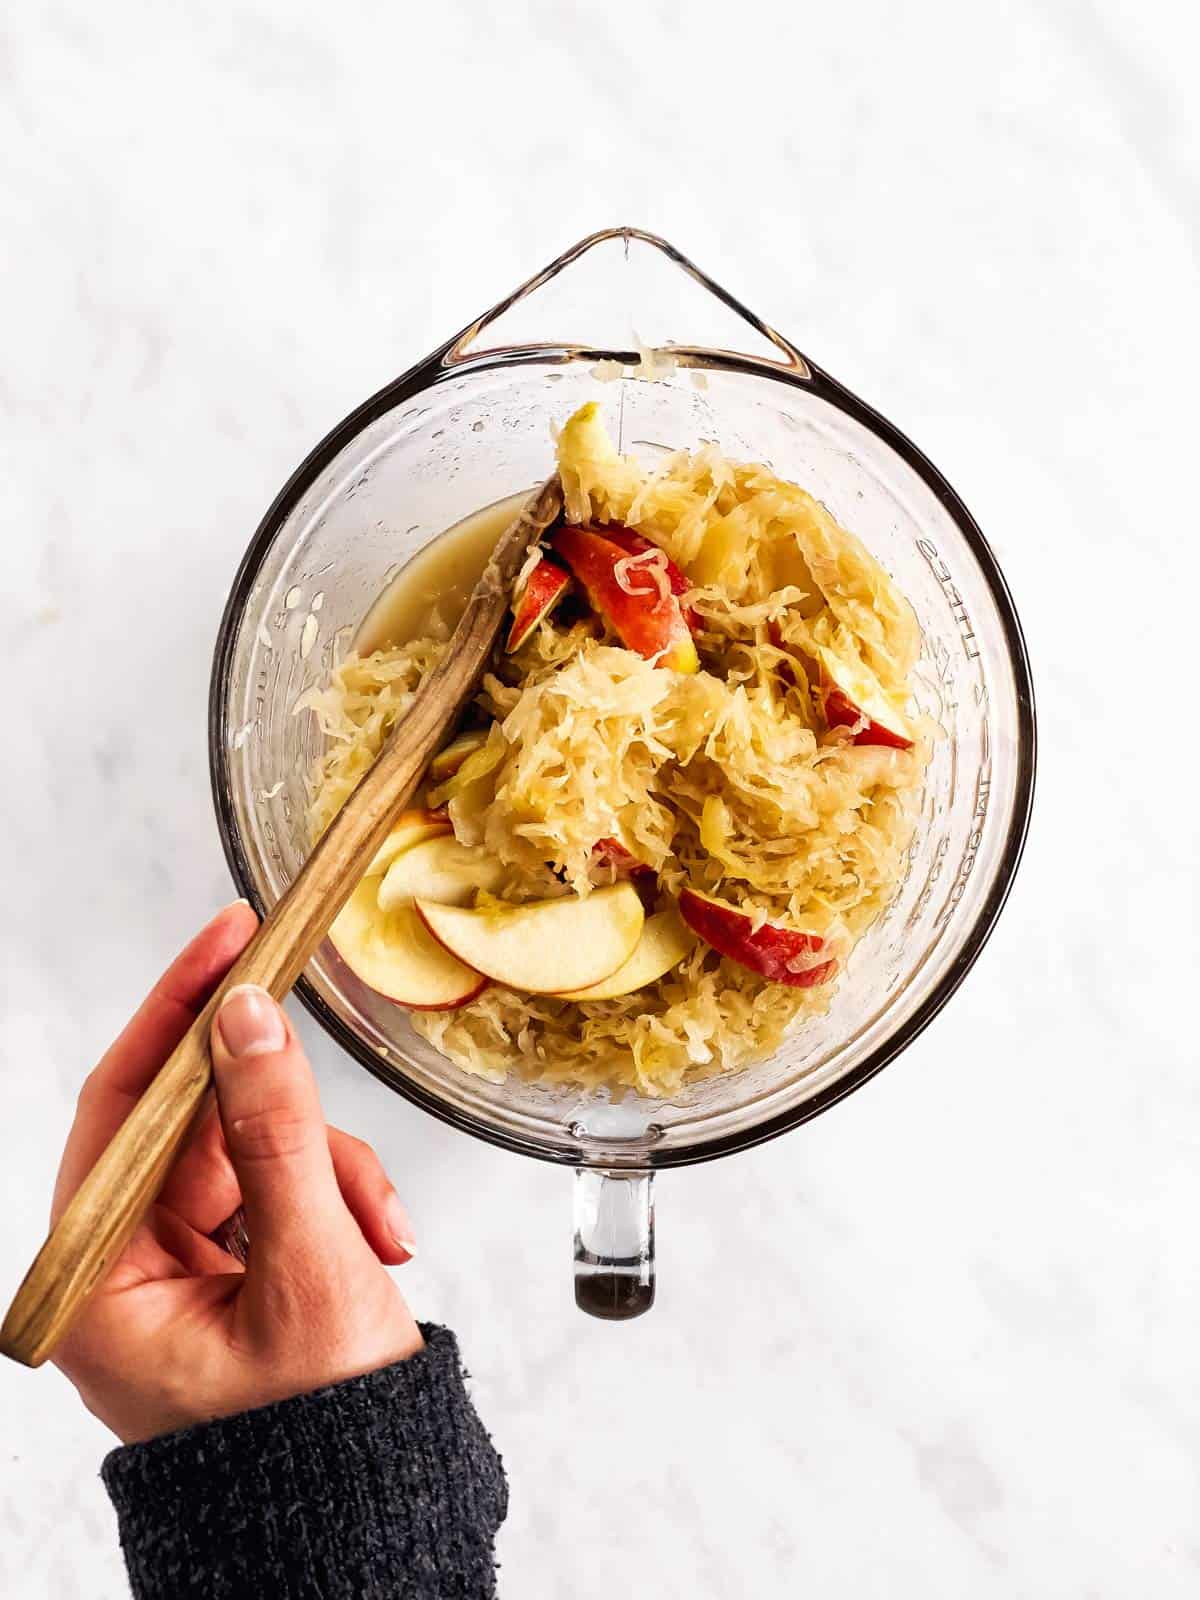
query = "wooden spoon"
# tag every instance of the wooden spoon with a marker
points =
(117, 1192)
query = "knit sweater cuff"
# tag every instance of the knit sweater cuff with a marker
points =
(384, 1485)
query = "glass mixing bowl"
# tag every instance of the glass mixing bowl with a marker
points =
(471, 424)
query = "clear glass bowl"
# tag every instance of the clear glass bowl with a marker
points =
(469, 425)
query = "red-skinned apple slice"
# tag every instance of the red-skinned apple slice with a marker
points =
(545, 588)
(637, 544)
(394, 954)
(663, 944)
(623, 862)
(410, 828)
(781, 954)
(653, 624)
(440, 869)
(448, 760)
(852, 694)
(546, 946)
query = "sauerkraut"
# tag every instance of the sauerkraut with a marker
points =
(737, 781)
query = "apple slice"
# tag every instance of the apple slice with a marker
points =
(394, 954)
(636, 544)
(440, 869)
(409, 828)
(780, 954)
(447, 761)
(547, 946)
(663, 944)
(849, 694)
(852, 694)
(651, 623)
(623, 861)
(546, 586)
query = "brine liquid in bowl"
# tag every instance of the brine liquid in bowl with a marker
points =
(430, 592)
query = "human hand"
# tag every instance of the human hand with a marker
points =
(179, 1332)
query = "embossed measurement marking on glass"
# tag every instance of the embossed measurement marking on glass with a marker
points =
(957, 605)
(983, 782)
(931, 878)
(970, 854)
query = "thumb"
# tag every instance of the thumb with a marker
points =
(274, 1130)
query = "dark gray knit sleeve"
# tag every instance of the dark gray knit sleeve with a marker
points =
(382, 1486)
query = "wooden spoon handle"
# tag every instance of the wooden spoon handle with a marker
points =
(116, 1193)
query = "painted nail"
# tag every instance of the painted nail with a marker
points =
(250, 1022)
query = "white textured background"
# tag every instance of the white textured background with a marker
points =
(942, 1342)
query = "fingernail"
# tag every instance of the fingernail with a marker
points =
(398, 1225)
(219, 916)
(250, 1023)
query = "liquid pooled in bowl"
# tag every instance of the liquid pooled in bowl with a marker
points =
(429, 594)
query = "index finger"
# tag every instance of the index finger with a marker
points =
(112, 1090)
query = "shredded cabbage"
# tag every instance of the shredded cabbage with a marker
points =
(651, 564)
(727, 780)
(355, 712)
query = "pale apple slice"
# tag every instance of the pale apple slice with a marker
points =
(440, 869)
(447, 762)
(664, 942)
(784, 955)
(410, 828)
(547, 946)
(476, 774)
(546, 586)
(853, 695)
(394, 954)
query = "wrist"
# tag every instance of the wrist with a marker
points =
(359, 1465)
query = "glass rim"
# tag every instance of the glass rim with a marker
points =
(449, 362)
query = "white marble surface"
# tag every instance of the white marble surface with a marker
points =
(942, 1342)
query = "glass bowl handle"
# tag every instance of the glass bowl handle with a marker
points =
(614, 1242)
